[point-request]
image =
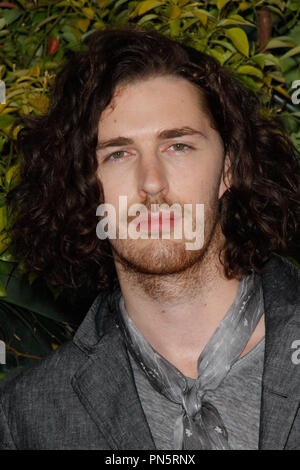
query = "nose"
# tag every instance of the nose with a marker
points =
(152, 177)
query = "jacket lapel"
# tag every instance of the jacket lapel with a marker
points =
(105, 384)
(281, 377)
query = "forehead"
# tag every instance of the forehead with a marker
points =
(160, 101)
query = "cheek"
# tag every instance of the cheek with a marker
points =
(115, 186)
(200, 184)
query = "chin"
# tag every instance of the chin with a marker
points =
(156, 257)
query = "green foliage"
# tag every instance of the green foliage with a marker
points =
(35, 37)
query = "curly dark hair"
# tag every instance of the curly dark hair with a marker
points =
(53, 208)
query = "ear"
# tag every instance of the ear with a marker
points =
(226, 181)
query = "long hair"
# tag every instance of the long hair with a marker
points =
(53, 208)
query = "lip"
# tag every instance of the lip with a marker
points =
(154, 221)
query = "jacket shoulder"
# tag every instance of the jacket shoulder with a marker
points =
(54, 371)
(281, 278)
(39, 406)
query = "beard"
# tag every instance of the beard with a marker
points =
(162, 267)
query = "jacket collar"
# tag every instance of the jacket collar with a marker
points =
(109, 394)
(105, 382)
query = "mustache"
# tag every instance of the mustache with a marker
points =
(158, 201)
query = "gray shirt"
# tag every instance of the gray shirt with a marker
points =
(237, 399)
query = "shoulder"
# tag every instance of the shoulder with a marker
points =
(51, 375)
(35, 405)
(281, 277)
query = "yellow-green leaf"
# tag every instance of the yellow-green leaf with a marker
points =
(34, 71)
(175, 12)
(217, 55)
(89, 13)
(221, 4)
(148, 5)
(174, 27)
(276, 43)
(259, 59)
(2, 290)
(2, 70)
(239, 39)
(282, 91)
(103, 3)
(40, 102)
(81, 23)
(294, 51)
(3, 219)
(8, 257)
(270, 59)
(244, 6)
(13, 172)
(201, 16)
(5, 241)
(238, 19)
(6, 120)
(250, 70)
(146, 18)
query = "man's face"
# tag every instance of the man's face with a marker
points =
(150, 163)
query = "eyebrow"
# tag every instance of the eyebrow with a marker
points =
(162, 135)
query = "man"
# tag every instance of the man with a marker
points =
(182, 348)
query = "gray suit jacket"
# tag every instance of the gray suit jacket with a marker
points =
(83, 395)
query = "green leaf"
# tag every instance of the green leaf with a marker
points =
(175, 12)
(225, 44)
(221, 4)
(6, 120)
(2, 290)
(270, 59)
(89, 13)
(174, 27)
(277, 43)
(217, 55)
(199, 13)
(9, 258)
(294, 51)
(11, 15)
(239, 39)
(235, 16)
(3, 218)
(250, 70)
(259, 59)
(12, 173)
(148, 5)
(146, 18)
(235, 20)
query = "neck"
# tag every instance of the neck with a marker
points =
(178, 313)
